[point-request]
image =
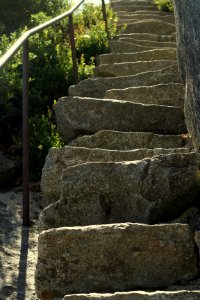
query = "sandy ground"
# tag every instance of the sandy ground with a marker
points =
(18, 246)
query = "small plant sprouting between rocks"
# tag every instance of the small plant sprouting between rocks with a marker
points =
(164, 5)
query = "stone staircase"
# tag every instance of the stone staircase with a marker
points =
(127, 171)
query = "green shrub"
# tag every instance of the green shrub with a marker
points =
(164, 5)
(51, 71)
(43, 136)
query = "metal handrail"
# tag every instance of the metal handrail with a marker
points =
(23, 42)
(35, 30)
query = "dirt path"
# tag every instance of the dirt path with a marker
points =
(18, 247)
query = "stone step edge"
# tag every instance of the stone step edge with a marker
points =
(138, 295)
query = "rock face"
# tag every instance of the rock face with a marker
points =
(103, 114)
(148, 191)
(59, 159)
(113, 257)
(188, 33)
(180, 295)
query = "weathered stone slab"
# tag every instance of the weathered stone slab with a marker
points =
(131, 68)
(147, 191)
(133, 8)
(163, 94)
(148, 43)
(76, 116)
(139, 295)
(124, 47)
(151, 26)
(97, 87)
(59, 159)
(116, 140)
(147, 37)
(155, 12)
(130, 18)
(113, 258)
(156, 54)
(127, 3)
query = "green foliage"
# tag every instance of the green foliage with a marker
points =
(10, 77)
(164, 5)
(17, 14)
(51, 70)
(91, 38)
(43, 135)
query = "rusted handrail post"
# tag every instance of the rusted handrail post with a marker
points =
(73, 49)
(105, 17)
(25, 133)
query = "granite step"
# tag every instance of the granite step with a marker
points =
(131, 68)
(131, 47)
(133, 8)
(137, 191)
(147, 37)
(130, 2)
(82, 115)
(127, 18)
(147, 43)
(155, 13)
(97, 87)
(80, 259)
(162, 94)
(151, 26)
(139, 295)
(117, 140)
(59, 159)
(156, 54)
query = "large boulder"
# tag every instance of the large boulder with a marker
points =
(149, 191)
(59, 159)
(117, 257)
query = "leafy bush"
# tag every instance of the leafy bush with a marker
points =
(51, 70)
(43, 135)
(164, 5)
